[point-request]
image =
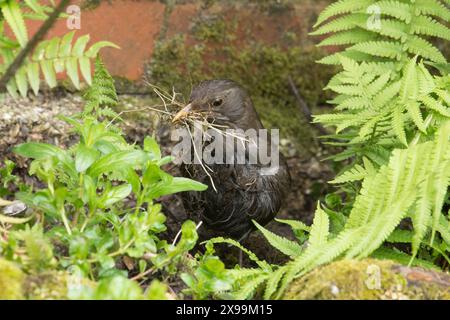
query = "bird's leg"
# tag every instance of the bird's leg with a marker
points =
(241, 258)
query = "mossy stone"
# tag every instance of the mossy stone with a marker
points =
(369, 279)
(11, 279)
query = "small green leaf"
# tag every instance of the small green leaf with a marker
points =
(85, 157)
(117, 161)
(116, 194)
(37, 150)
(151, 146)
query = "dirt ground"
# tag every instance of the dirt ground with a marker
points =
(36, 119)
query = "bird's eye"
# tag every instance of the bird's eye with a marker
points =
(217, 103)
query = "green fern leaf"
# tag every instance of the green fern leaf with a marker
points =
(341, 7)
(33, 76)
(395, 9)
(428, 26)
(13, 16)
(432, 7)
(273, 282)
(384, 49)
(417, 45)
(249, 288)
(356, 173)
(434, 105)
(416, 115)
(348, 37)
(342, 24)
(295, 225)
(262, 264)
(398, 124)
(288, 247)
(319, 229)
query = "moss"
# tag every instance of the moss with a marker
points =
(11, 278)
(15, 284)
(54, 285)
(213, 28)
(351, 279)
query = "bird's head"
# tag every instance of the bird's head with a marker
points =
(222, 102)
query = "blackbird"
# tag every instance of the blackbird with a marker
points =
(240, 191)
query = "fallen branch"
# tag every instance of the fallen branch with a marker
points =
(304, 108)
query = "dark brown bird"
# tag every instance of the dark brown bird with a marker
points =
(240, 192)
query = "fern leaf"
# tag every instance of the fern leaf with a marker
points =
(402, 258)
(288, 247)
(13, 16)
(432, 7)
(416, 115)
(273, 282)
(341, 7)
(387, 94)
(342, 24)
(295, 224)
(33, 76)
(249, 288)
(428, 26)
(319, 229)
(398, 124)
(348, 37)
(80, 45)
(377, 85)
(354, 174)
(354, 103)
(434, 105)
(421, 216)
(417, 45)
(21, 81)
(392, 28)
(441, 159)
(386, 49)
(400, 236)
(395, 9)
(72, 71)
(49, 73)
(65, 47)
(262, 264)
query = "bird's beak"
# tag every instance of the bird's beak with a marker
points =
(182, 113)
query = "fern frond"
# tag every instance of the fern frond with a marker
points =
(422, 47)
(249, 288)
(319, 229)
(386, 49)
(348, 37)
(356, 173)
(288, 247)
(342, 24)
(13, 16)
(262, 264)
(273, 282)
(396, 9)
(102, 92)
(432, 7)
(429, 27)
(341, 7)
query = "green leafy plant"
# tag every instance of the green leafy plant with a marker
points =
(50, 57)
(392, 120)
(98, 204)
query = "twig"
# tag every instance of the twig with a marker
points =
(304, 107)
(38, 36)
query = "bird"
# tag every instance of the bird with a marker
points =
(238, 192)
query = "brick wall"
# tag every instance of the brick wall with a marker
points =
(135, 25)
